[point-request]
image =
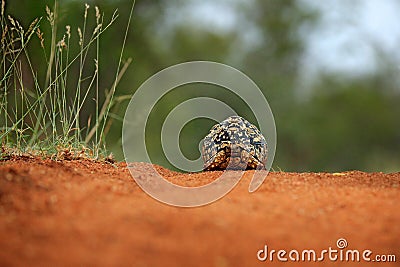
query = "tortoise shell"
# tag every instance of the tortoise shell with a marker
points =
(234, 144)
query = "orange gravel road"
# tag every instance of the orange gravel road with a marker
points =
(86, 213)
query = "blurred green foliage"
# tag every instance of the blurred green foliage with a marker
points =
(345, 122)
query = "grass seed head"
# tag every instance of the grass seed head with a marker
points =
(11, 20)
(68, 28)
(50, 16)
(80, 36)
(61, 44)
(40, 36)
(3, 3)
(86, 9)
(97, 14)
(97, 29)
(3, 36)
(32, 26)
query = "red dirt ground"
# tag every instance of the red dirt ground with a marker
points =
(87, 213)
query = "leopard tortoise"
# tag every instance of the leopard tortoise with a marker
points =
(234, 144)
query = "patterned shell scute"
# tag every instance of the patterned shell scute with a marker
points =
(234, 144)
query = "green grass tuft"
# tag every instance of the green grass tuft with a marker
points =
(38, 116)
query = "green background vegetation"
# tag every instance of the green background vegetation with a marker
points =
(342, 121)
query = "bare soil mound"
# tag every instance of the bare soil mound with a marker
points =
(94, 214)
